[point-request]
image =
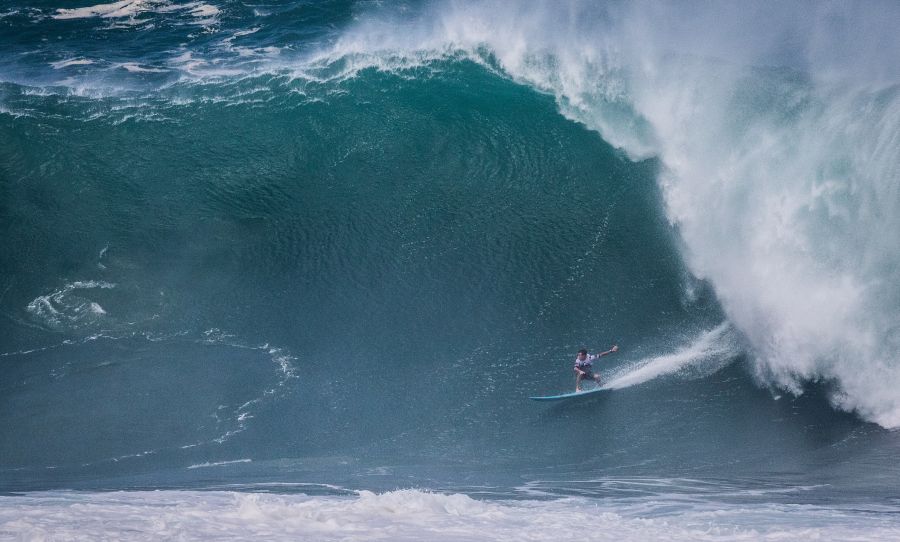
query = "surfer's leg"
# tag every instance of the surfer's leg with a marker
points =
(578, 377)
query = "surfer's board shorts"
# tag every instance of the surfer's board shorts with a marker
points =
(589, 374)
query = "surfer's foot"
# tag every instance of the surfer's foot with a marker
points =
(577, 390)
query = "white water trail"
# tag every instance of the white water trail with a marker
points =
(778, 130)
(711, 351)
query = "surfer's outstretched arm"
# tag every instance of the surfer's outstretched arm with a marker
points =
(615, 348)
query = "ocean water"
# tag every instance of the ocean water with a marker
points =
(291, 270)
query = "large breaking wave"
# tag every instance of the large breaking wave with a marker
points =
(779, 131)
(332, 247)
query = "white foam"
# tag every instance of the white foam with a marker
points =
(410, 515)
(204, 10)
(15, 114)
(204, 14)
(200, 68)
(286, 372)
(71, 62)
(218, 463)
(67, 308)
(125, 8)
(247, 32)
(134, 67)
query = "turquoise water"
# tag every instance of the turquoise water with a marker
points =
(322, 248)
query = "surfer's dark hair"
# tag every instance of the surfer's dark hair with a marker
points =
(583, 351)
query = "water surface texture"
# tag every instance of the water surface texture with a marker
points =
(293, 269)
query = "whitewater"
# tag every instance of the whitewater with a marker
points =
(292, 270)
(412, 515)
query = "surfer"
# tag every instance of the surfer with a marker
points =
(584, 367)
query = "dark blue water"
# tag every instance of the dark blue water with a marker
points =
(339, 244)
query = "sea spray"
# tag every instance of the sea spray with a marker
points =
(711, 351)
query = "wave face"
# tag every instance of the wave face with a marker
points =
(779, 156)
(328, 247)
